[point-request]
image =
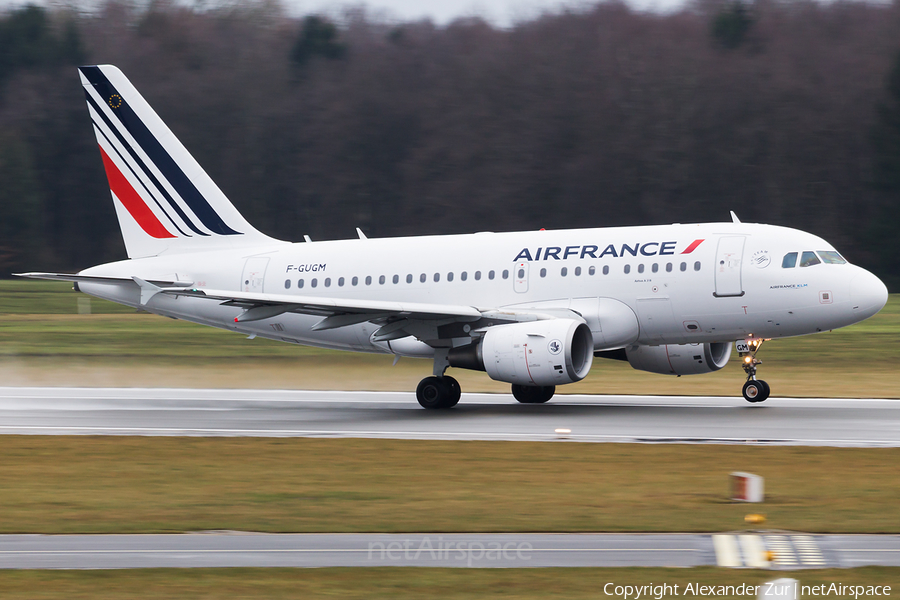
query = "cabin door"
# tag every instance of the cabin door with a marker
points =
(254, 275)
(729, 256)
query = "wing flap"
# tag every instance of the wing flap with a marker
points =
(323, 306)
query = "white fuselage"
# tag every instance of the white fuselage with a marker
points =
(730, 285)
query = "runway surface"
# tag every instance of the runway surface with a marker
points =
(792, 551)
(278, 413)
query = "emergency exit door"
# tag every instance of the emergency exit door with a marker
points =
(520, 277)
(729, 256)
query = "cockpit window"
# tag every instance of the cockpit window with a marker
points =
(830, 257)
(808, 259)
(789, 261)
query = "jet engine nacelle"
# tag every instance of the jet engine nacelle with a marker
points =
(544, 353)
(680, 359)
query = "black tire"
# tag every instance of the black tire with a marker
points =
(755, 390)
(545, 393)
(522, 393)
(766, 389)
(455, 391)
(432, 393)
(529, 394)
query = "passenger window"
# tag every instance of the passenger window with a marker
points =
(505, 273)
(328, 282)
(592, 270)
(368, 280)
(409, 278)
(577, 271)
(490, 275)
(668, 267)
(543, 272)
(450, 276)
(641, 268)
(830, 257)
(654, 268)
(627, 269)
(808, 259)
(299, 283)
(606, 269)
(314, 283)
(396, 279)
(353, 281)
(340, 282)
(422, 278)
(564, 271)
(287, 284)
(697, 266)
(477, 275)
(683, 267)
(789, 261)
(463, 275)
(437, 277)
(381, 280)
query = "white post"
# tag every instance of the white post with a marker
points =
(780, 589)
(746, 487)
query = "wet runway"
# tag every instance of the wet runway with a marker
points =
(280, 413)
(791, 551)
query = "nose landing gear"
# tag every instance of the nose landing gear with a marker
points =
(755, 390)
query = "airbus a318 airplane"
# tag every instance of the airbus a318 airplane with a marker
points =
(531, 309)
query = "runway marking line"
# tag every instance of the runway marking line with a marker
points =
(468, 436)
(726, 548)
(309, 550)
(753, 551)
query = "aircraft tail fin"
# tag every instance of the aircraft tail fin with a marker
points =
(164, 200)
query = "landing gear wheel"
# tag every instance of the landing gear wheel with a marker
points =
(755, 390)
(455, 391)
(529, 394)
(438, 392)
(766, 390)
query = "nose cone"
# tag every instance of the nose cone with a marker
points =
(867, 294)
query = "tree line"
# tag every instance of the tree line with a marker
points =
(785, 112)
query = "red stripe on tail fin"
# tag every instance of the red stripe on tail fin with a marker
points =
(132, 202)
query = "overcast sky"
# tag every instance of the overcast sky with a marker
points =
(499, 12)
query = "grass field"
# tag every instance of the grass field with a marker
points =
(208, 584)
(44, 341)
(74, 484)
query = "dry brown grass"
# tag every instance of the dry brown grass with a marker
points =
(60, 484)
(209, 584)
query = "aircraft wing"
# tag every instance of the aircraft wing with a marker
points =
(425, 321)
(327, 307)
(397, 319)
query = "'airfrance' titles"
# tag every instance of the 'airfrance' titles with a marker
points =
(592, 251)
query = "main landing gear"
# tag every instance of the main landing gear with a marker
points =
(438, 392)
(755, 390)
(529, 394)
